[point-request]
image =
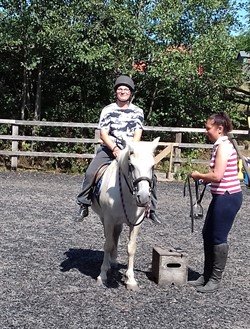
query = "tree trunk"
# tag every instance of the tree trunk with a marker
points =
(152, 102)
(37, 114)
(24, 94)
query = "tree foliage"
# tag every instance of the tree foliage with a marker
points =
(59, 58)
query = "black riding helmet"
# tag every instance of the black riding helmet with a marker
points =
(124, 80)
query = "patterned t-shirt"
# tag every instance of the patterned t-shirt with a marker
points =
(121, 124)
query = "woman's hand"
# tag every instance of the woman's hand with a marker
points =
(116, 151)
(196, 175)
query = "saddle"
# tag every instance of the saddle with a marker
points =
(98, 179)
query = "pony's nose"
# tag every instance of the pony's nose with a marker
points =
(143, 198)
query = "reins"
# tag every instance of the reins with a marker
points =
(131, 187)
(132, 191)
(196, 209)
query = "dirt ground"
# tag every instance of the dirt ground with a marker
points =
(49, 263)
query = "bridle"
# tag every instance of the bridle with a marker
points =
(132, 184)
(196, 209)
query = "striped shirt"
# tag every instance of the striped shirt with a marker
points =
(230, 182)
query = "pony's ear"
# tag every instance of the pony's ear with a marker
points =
(155, 142)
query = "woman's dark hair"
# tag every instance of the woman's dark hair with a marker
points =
(222, 119)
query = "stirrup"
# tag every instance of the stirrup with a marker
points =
(83, 212)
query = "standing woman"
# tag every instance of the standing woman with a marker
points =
(226, 202)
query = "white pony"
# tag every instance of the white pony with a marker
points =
(124, 198)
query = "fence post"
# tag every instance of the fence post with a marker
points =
(178, 138)
(97, 137)
(170, 174)
(14, 147)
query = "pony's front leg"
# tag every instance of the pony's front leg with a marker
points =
(108, 247)
(102, 277)
(114, 252)
(131, 283)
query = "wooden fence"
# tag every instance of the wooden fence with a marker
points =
(169, 150)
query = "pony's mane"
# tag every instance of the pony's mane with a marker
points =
(141, 150)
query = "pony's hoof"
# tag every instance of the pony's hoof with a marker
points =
(132, 287)
(100, 283)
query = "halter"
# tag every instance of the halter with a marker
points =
(133, 188)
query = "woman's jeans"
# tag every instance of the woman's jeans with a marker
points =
(220, 217)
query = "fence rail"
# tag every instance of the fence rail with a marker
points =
(170, 150)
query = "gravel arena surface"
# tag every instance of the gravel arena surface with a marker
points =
(49, 263)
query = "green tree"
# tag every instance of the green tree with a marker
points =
(193, 60)
(64, 61)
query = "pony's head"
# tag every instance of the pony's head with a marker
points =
(136, 163)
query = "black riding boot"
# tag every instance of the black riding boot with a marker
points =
(208, 266)
(220, 253)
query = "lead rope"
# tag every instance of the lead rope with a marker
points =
(196, 209)
(187, 182)
(123, 203)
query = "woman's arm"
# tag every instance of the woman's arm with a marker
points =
(108, 142)
(137, 135)
(216, 174)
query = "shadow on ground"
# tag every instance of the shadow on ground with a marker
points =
(89, 262)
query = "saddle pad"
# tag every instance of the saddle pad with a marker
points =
(98, 180)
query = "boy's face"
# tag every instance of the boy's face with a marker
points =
(123, 93)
